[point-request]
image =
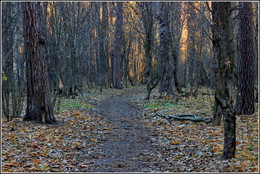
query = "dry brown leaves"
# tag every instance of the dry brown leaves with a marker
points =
(188, 146)
(197, 147)
(31, 147)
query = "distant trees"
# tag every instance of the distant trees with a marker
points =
(66, 22)
(246, 60)
(69, 49)
(39, 106)
(8, 50)
(194, 47)
(147, 17)
(13, 62)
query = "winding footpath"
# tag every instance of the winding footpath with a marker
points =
(127, 148)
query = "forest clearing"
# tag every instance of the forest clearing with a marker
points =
(129, 86)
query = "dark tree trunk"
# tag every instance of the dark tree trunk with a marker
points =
(224, 57)
(175, 32)
(100, 51)
(217, 114)
(166, 64)
(229, 132)
(127, 48)
(39, 106)
(246, 59)
(117, 69)
(175, 64)
(105, 62)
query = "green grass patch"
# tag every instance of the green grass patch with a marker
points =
(57, 112)
(251, 147)
(75, 104)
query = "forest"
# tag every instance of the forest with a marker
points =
(129, 86)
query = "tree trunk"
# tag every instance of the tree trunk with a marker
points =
(166, 64)
(224, 57)
(105, 62)
(101, 28)
(117, 70)
(246, 59)
(39, 106)
(100, 51)
(175, 64)
(217, 114)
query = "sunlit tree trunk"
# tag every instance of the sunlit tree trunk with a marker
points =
(39, 106)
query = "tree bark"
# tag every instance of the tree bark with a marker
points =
(246, 59)
(224, 56)
(166, 64)
(39, 106)
(117, 70)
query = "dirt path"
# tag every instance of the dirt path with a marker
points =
(127, 147)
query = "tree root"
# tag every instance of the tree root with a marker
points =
(185, 117)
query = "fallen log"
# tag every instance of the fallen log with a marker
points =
(186, 117)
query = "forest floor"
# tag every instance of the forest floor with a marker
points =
(128, 146)
(118, 131)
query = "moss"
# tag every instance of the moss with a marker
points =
(75, 104)
(57, 112)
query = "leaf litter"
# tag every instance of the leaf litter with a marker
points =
(197, 147)
(185, 146)
(32, 147)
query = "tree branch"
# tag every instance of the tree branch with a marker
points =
(185, 117)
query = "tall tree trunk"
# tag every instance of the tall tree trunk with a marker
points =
(105, 62)
(224, 56)
(126, 52)
(39, 106)
(166, 64)
(117, 70)
(246, 60)
(102, 50)
(175, 66)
